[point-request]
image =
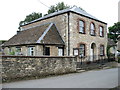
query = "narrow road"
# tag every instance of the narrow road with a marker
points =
(92, 79)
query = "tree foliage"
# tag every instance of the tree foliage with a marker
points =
(30, 18)
(114, 31)
(57, 7)
(34, 15)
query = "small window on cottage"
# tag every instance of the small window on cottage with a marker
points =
(101, 31)
(18, 50)
(60, 51)
(47, 51)
(82, 50)
(102, 50)
(10, 50)
(75, 52)
(81, 26)
(31, 51)
(92, 29)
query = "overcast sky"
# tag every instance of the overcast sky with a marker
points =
(14, 11)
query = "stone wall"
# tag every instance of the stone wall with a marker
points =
(14, 67)
(61, 21)
(76, 38)
(38, 50)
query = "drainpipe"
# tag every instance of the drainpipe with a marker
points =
(68, 33)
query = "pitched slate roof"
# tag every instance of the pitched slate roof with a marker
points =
(73, 9)
(44, 34)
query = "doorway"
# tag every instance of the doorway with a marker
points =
(47, 51)
(92, 52)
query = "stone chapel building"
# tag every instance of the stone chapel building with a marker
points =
(69, 32)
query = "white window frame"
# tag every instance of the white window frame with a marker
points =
(31, 51)
(92, 29)
(75, 52)
(101, 31)
(60, 51)
(81, 26)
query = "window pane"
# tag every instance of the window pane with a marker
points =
(92, 26)
(75, 52)
(92, 32)
(82, 50)
(60, 51)
(10, 50)
(18, 49)
(81, 29)
(81, 23)
(31, 51)
(47, 51)
(92, 29)
(101, 31)
(81, 26)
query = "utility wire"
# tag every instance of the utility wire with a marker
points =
(43, 3)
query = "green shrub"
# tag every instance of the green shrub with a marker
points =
(12, 53)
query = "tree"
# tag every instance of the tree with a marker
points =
(30, 18)
(57, 7)
(114, 31)
(34, 15)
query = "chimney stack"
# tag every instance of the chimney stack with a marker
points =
(18, 32)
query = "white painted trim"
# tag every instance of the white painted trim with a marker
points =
(45, 32)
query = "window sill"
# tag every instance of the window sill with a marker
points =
(81, 33)
(92, 35)
(82, 56)
(102, 36)
(102, 55)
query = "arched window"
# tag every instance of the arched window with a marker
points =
(92, 29)
(101, 31)
(81, 26)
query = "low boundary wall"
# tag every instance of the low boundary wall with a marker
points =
(14, 67)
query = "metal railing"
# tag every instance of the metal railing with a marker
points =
(95, 59)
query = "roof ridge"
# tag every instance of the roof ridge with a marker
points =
(36, 26)
(45, 32)
(74, 9)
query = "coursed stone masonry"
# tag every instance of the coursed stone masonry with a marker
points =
(14, 67)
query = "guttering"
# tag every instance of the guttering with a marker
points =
(32, 44)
